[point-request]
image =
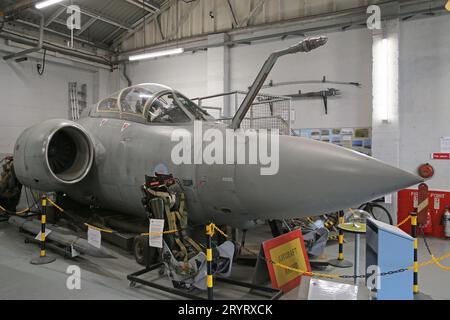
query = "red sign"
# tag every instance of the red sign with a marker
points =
(287, 250)
(440, 156)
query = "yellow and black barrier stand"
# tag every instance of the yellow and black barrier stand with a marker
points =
(416, 263)
(43, 258)
(340, 262)
(209, 256)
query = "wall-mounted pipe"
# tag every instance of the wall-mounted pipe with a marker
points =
(19, 5)
(125, 75)
(23, 39)
(34, 49)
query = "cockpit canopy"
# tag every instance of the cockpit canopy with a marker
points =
(153, 103)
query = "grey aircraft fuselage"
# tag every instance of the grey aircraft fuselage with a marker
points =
(115, 150)
(313, 178)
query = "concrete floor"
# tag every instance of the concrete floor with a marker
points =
(106, 279)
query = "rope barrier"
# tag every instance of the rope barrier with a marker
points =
(423, 264)
(16, 213)
(29, 209)
(337, 276)
(99, 229)
(436, 261)
(211, 228)
(55, 205)
(404, 221)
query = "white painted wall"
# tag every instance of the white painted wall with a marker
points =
(186, 73)
(346, 57)
(27, 98)
(424, 95)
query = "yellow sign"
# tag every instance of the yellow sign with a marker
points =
(447, 6)
(289, 254)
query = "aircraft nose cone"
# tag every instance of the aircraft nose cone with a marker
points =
(316, 178)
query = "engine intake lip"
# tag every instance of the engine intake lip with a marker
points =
(78, 167)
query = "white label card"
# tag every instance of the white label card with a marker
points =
(445, 144)
(47, 232)
(415, 200)
(437, 203)
(74, 253)
(95, 237)
(388, 198)
(155, 239)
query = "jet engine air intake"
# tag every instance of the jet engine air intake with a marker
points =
(69, 154)
(53, 153)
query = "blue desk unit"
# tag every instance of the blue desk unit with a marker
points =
(391, 249)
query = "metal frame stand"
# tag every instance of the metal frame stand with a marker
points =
(357, 245)
(134, 278)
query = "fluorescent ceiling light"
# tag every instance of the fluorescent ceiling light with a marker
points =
(156, 54)
(46, 3)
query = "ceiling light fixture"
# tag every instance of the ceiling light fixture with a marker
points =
(156, 54)
(44, 4)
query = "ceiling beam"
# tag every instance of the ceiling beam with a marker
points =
(85, 26)
(233, 15)
(111, 35)
(54, 16)
(145, 6)
(139, 24)
(92, 44)
(151, 4)
(183, 19)
(102, 18)
(19, 6)
(252, 13)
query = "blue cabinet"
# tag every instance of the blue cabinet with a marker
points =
(390, 249)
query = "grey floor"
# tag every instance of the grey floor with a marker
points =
(106, 279)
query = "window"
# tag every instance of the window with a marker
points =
(199, 113)
(165, 109)
(133, 100)
(109, 104)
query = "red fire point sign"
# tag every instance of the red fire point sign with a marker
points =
(440, 156)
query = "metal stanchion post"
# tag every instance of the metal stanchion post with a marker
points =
(357, 244)
(416, 264)
(209, 277)
(43, 258)
(340, 262)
